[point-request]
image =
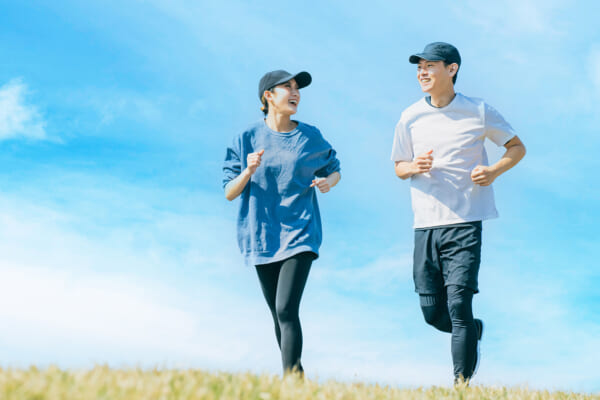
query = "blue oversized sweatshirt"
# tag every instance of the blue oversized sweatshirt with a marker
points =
(279, 214)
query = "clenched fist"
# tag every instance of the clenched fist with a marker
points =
(482, 175)
(254, 161)
(422, 163)
(322, 183)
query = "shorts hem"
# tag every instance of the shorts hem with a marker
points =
(430, 291)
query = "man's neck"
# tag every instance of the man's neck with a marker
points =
(442, 99)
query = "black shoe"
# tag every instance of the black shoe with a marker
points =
(479, 326)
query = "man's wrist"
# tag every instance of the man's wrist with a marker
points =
(495, 170)
(414, 169)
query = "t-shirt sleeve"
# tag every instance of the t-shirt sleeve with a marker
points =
(232, 165)
(332, 164)
(496, 128)
(402, 149)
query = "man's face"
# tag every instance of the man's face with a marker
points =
(434, 75)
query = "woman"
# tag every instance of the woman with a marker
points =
(274, 166)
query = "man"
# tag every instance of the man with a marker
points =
(438, 144)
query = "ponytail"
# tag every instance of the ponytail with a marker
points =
(265, 105)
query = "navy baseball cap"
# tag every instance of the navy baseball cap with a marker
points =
(274, 78)
(437, 51)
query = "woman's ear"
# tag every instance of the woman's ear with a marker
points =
(268, 95)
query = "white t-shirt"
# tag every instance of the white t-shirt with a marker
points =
(455, 133)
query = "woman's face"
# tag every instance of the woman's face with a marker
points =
(284, 98)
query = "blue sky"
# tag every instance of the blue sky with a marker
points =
(118, 245)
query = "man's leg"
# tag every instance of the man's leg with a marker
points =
(464, 331)
(435, 310)
(429, 283)
(460, 254)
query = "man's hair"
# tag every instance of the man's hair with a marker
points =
(455, 75)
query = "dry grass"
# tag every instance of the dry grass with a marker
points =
(137, 384)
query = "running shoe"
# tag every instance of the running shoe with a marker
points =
(479, 326)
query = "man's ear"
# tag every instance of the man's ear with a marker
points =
(453, 69)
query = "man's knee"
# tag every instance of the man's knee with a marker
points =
(431, 314)
(460, 300)
(435, 311)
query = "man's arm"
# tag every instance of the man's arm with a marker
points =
(421, 164)
(515, 151)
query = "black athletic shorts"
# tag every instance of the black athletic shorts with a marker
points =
(447, 255)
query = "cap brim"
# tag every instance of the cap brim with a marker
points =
(415, 58)
(303, 79)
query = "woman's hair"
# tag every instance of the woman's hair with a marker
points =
(265, 104)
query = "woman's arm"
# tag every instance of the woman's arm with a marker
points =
(236, 186)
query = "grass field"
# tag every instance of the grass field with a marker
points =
(138, 384)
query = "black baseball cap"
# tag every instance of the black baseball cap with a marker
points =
(437, 51)
(274, 78)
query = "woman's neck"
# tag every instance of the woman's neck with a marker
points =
(280, 122)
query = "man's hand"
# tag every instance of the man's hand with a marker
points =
(254, 161)
(422, 163)
(482, 175)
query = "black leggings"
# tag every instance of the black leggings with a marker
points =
(282, 284)
(451, 311)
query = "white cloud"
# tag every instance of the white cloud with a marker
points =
(534, 327)
(128, 105)
(100, 308)
(594, 66)
(395, 265)
(167, 287)
(121, 294)
(112, 105)
(513, 17)
(17, 117)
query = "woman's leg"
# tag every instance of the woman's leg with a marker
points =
(292, 280)
(268, 275)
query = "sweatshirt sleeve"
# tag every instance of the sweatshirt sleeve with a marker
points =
(232, 166)
(332, 164)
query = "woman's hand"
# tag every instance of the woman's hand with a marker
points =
(322, 184)
(254, 161)
(325, 184)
